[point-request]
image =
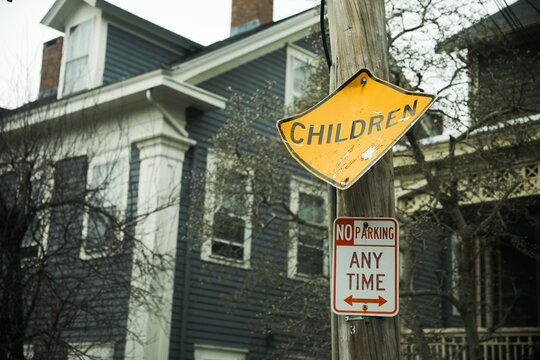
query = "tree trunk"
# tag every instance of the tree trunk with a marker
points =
(358, 39)
(411, 319)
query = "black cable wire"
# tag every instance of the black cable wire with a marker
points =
(323, 38)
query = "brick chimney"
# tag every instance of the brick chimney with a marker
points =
(50, 67)
(248, 14)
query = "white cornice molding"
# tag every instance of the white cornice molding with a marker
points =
(237, 53)
(189, 95)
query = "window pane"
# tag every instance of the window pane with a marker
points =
(229, 226)
(76, 71)
(79, 40)
(232, 195)
(229, 234)
(32, 237)
(227, 250)
(76, 74)
(307, 235)
(301, 72)
(311, 208)
(101, 227)
(310, 260)
(107, 179)
(311, 240)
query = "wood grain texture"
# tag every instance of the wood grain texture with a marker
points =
(358, 40)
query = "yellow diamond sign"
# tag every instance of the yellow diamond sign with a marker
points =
(341, 137)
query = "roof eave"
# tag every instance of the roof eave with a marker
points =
(188, 95)
(203, 67)
(56, 16)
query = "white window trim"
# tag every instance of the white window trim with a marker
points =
(294, 51)
(90, 350)
(302, 185)
(204, 352)
(122, 156)
(209, 205)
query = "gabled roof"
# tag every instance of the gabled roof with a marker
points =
(519, 22)
(61, 9)
(200, 63)
(237, 50)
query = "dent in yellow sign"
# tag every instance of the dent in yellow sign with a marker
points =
(341, 137)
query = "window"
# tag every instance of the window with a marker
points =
(34, 241)
(107, 200)
(90, 351)
(76, 68)
(209, 352)
(308, 253)
(35, 238)
(227, 214)
(299, 68)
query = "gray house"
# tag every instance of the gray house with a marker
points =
(153, 99)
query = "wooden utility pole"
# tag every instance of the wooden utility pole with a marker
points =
(358, 39)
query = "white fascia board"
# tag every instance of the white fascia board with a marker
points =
(196, 97)
(216, 62)
(55, 18)
(190, 95)
(52, 14)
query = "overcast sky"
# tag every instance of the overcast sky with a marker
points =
(22, 35)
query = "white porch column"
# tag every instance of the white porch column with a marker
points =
(161, 160)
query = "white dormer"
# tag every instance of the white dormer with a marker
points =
(104, 44)
(83, 57)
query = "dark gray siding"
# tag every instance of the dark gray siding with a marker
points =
(204, 310)
(308, 43)
(98, 306)
(127, 55)
(508, 80)
(432, 272)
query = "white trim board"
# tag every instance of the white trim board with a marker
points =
(240, 52)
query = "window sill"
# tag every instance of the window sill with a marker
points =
(222, 260)
(306, 277)
(97, 254)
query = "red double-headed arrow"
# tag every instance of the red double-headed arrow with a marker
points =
(350, 300)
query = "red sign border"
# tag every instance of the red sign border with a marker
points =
(396, 269)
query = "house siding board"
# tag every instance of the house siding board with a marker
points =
(183, 252)
(508, 78)
(127, 55)
(212, 317)
(307, 43)
(429, 268)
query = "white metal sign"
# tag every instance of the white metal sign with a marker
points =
(365, 278)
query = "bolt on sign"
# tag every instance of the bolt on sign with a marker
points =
(365, 268)
(341, 137)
